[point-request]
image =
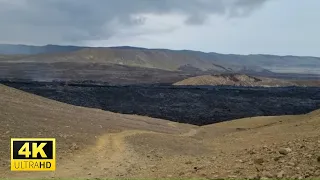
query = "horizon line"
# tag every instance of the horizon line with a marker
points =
(139, 47)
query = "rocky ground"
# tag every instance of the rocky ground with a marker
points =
(296, 159)
(285, 147)
(98, 144)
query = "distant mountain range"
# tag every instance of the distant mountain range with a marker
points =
(162, 59)
(10, 49)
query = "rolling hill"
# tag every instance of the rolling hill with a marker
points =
(11, 49)
(234, 80)
(98, 144)
(164, 59)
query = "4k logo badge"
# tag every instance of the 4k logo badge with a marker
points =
(33, 154)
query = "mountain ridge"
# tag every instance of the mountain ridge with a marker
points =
(163, 59)
(140, 47)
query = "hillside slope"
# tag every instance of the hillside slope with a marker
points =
(166, 59)
(26, 115)
(96, 144)
(234, 80)
(11, 49)
(159, 59)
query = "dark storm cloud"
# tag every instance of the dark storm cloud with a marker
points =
(75, 21)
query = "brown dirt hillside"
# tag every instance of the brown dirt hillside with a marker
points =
(97, 144)
(159, 59)
(315, 83)
(234, 80)
(27, 115)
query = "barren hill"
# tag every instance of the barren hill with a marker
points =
(234, 80)
(166, 59)
(26, 115)
(105, 64)
(146, 58)
(96, 144)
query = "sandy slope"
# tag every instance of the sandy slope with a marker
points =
(27, 115)
(234, 80)
(95, 143)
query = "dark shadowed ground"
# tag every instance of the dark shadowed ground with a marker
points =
(194, 105)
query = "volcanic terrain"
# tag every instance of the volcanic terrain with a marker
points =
(92, 143)
(234, 80)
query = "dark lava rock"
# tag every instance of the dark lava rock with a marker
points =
(198, 105)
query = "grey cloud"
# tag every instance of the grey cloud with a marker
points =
(196, 19)
(75, 21)
(244, 7)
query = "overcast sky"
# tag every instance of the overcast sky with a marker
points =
(284, 27)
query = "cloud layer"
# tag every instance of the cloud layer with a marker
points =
(76, 21)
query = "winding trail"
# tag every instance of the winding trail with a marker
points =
(111, 157)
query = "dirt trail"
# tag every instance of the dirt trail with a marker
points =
(114, 157)
(99, 144)
(111, 157)
(191, 133)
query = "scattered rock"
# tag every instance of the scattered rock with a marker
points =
(291, 164)
(232, 176)
(188, 162)
(196, 168)
(258, 161)
(285, 151)
(213, 158)
(240, 161)
(251, 152)
(277, 158)
(318, 159)
(267, 174)
(241, 129)
(264, 178)
(89, 173)
(309, 156)
(74, 146)
(312, 169)
(254, 177)
(280, 174)
(307, 174)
